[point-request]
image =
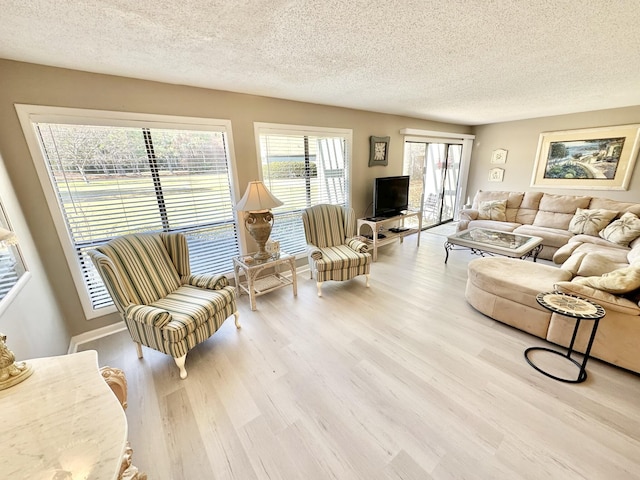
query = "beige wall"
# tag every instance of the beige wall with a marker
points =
(521, 140)
(39, 85)
(29, 314)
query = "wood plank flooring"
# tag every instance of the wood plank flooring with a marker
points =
(403, 380)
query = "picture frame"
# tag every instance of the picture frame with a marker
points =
(378, 151)
(496, 174)
(600, 158)
(499, 156)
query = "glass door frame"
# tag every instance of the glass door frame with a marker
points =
(431, 136)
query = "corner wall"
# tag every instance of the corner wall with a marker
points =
(520, 138)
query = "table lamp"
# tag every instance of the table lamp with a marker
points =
(257, 203)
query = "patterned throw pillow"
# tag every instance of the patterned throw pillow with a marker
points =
(623, 280)
(493, 210)
(590, 222)
(623, 230)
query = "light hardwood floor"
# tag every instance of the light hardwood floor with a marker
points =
(403, 380)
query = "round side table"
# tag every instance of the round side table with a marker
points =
(574, 307)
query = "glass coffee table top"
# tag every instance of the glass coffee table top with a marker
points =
(494, 238)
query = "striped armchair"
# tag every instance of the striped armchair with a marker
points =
(163, 305)
(332, 250)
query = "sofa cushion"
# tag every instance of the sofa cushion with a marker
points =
(517, 280)
(556, 211)
(588, 264)
(514, 199)
(553, 237)
(528, 208)
(602, 298)
(620, 207)
(622, 231)
(590, 222)
(493, 210)
(493, 225)
(622, 280)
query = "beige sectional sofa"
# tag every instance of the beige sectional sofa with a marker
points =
(592, 267)
(545, 215)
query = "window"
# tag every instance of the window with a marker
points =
(12, 267)
(112, 177)
(302, 166)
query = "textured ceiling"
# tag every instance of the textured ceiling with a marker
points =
(467, 61)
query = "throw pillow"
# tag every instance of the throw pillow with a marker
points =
(623, 280)
(590, 222)
(623, 230)
(493, 210)
(606, 300)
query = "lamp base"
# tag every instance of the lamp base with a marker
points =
(259, 226)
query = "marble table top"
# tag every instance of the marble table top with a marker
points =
(63, 422)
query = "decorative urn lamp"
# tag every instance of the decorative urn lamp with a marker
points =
(256, 204)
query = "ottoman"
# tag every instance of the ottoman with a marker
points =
(505, 289)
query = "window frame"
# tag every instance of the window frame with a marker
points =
(31, 114)
(268, 128)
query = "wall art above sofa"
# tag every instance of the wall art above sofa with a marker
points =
(594, 158)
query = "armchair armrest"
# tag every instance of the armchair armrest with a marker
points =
(314, 252)
(148, 315)
(357, 245)
(209, 282)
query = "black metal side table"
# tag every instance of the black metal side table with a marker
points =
(574, 307)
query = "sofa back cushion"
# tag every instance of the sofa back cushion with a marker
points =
(513, 199)
(528, 208)
(620, 207)
(556, 211)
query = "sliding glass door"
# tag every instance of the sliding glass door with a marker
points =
(434, 169)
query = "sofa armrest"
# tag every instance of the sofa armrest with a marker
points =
(468, 214)
(209, 282)
(607, 300)
(357, 245)
(148, 315)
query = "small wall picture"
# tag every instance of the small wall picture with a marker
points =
(378, 151)
(499, 156)
(496, 174)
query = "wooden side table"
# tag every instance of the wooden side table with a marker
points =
(574, 307)
(254, 284)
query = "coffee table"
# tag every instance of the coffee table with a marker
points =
(570, 306)
(483, 241)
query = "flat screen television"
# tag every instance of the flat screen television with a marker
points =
(390, 196)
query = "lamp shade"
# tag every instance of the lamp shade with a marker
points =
(257, 198)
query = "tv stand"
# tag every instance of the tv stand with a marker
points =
(391, 228)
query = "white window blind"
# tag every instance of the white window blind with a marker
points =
(303, 169)
(115, 180)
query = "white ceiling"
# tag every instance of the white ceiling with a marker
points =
(464, 61)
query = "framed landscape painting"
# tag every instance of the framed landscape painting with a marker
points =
(594, 158)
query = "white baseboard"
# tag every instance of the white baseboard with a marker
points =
(94, 335)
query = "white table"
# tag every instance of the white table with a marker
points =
(256, 284)
(63, 418)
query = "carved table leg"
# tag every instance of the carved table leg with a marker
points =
(118, 383)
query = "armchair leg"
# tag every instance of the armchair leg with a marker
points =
(180, 363)
(236, 314)
(139, 349)
(367, 277)
(319, 284)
